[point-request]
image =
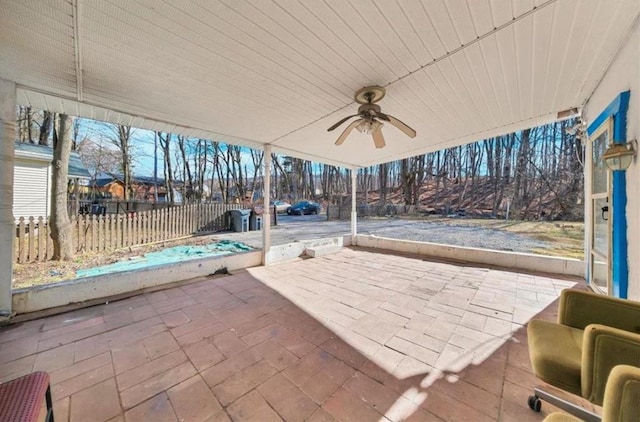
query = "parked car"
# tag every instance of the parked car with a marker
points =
(303, 208)
(281, 206)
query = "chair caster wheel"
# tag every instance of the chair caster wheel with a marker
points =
(535, 403)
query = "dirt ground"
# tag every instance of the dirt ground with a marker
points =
(36, 273)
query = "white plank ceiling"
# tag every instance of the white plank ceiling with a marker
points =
(281, 72)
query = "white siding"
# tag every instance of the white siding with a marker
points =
(30, 189)
(623, 75)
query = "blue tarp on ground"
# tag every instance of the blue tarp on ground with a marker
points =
(168, 256)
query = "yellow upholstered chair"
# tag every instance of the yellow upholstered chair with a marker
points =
(593, 334)
(621, 397)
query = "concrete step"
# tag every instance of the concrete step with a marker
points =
(317, 251)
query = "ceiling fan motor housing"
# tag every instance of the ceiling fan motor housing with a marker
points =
(365, 109)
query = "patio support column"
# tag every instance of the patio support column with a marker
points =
(354, 213)
(266, 216)
(7, 224)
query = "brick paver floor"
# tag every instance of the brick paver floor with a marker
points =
(359, 335)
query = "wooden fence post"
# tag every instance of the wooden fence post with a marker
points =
(49, 241)
(94, 233)
(32, 240)
(111, 229)
(21, 249)
(42, 239)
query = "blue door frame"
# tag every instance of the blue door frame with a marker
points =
(617, 110)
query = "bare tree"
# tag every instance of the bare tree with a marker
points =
(120, 137)
(186, 167)
(124, 144)
(60, 224)
(46, 127)
(97, 157)
(256, 160)
(165, 144)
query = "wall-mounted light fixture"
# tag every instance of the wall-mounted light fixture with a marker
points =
(619, 156)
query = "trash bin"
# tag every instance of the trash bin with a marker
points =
(255, 222)
(240, 220)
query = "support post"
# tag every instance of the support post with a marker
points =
(266, 217)
(7, 224)
(354, 213)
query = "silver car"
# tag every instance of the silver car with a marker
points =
(281, 206)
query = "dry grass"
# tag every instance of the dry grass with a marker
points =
(567, 238)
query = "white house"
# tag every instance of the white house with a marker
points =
(32, 179)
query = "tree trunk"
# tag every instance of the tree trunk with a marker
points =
(45, 128)
(188, 176)
(383, 174)
(165, 144)
(60, 225)
(124, 133)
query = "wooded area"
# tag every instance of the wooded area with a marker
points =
(535, 173)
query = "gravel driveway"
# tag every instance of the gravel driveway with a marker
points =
(294, 228)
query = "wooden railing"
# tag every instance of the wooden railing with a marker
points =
(97, 233)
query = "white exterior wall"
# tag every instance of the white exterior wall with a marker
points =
(7, 224)
(623, 75)
(30, 189)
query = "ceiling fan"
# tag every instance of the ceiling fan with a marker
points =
(370, 117)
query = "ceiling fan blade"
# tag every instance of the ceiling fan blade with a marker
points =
(378, 139)
(347, 131)
(341, 121)
(403, 127)
(381, 115)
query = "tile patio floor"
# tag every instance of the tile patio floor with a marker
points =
(356, 336)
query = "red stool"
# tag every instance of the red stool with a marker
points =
(21, 399)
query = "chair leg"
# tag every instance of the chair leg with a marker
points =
(573, 409)
(49, 417)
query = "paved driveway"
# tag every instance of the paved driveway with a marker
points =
(295, 228)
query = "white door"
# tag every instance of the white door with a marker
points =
(601, 210)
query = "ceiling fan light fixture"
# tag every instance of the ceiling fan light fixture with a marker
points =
(369, 126)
